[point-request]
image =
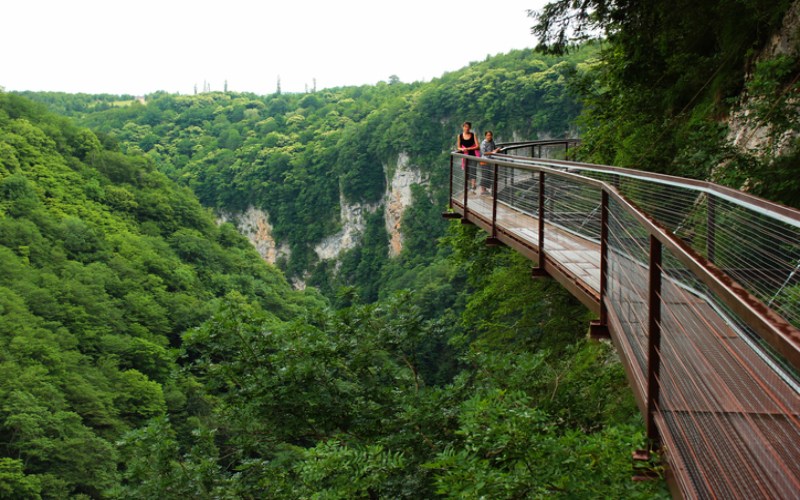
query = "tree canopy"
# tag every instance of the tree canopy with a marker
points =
(669, 77)
(148, 351)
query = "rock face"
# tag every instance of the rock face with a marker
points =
(254, 224)
(352, 217)
(397, 199)
(744, 130)
(787, 39)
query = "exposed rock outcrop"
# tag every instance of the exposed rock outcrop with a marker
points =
(353, 224)
(745, 130)
(254, 224)
(398, 198)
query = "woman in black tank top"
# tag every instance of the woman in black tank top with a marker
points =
(468, 145)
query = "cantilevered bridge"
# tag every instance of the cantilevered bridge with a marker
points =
(698, 287)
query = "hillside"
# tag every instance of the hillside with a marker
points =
(699, 89)
(150, 352)
(322, 180)
(106, 263)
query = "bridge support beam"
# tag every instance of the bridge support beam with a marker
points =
(539, 272)
(494, 242)
(599, 331)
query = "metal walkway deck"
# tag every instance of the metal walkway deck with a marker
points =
(707, 333)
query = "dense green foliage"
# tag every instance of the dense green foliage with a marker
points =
(292, 154)
(105, 264)
(147, 352)
(347, 409)
(75, 104)
(669, 73)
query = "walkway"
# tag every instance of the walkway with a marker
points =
(712, 360)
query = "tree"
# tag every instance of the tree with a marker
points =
(15, 484)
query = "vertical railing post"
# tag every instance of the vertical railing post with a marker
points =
(541, 211)
(465, 166)
(450, 199)
(511, 196)
(450, 214)
(654, 340)
(599, 329)
(711, 228)
(494, 203)
(603, 255)
(539, 269)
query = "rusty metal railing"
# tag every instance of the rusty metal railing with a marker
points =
(697, 285)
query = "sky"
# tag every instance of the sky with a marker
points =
(123, 47)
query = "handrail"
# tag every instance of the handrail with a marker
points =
(505, 147)
(783, 336)
(551, 209)
(744, 199)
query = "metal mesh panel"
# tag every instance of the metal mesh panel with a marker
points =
(627, 282)
(458, 180)
(572, 216)
(759, 250)
(761, 253)
(573, 207)
(723, 398)
(518, 202)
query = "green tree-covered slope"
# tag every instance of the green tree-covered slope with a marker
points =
(293, 154)
(673, 80)
(147, 352)
(106, 263)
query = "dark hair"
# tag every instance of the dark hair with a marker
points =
(488, 132)
(468, 124)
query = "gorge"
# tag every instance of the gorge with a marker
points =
(231, 295)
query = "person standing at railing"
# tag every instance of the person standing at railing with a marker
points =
(467, 144)
(488, 148)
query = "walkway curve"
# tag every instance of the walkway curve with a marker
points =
(698, 287)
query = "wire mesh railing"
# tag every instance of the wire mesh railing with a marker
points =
(715, 378)
(697, 284)
(755, 242)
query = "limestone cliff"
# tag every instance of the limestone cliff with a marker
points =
(254, 224)
(746, 132)
(353, 224)
(395, 202)
(397, 199)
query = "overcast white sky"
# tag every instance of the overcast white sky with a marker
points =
(118, 47)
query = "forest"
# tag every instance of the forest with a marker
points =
(299, 156)
(149, 351)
